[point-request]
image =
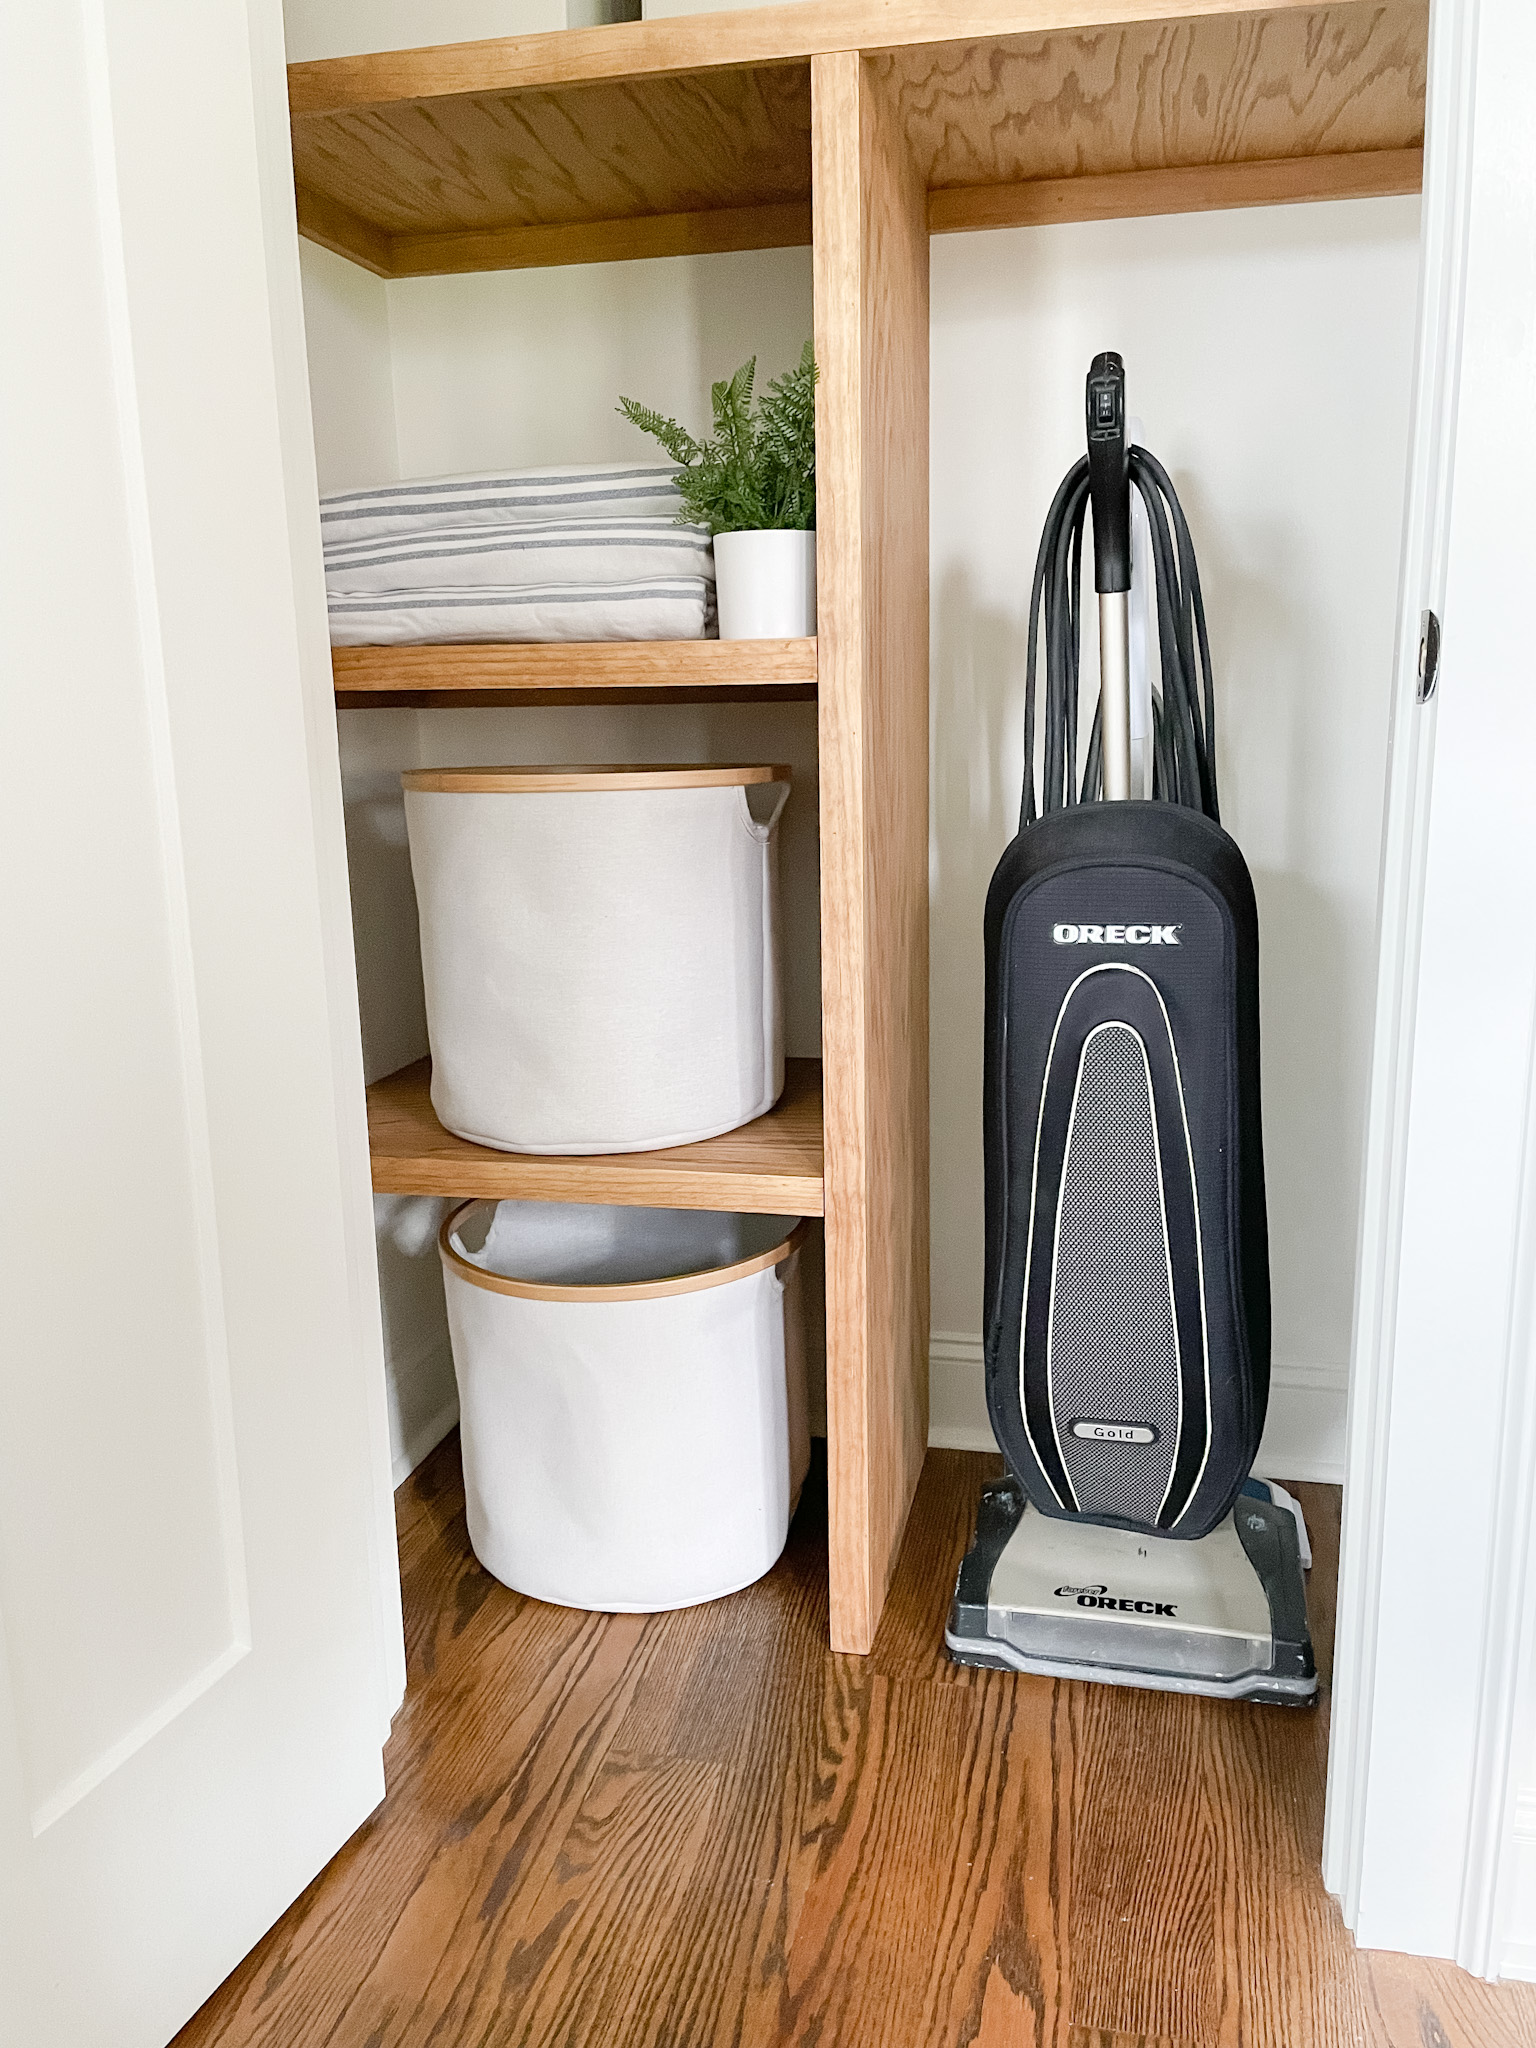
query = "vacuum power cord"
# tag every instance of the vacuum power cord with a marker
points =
(1183, 708)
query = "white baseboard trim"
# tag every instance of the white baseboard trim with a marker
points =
(1517, 1958)
(1304, 1431)
(957, 1394)
(1303, 1438)
(424, 1440)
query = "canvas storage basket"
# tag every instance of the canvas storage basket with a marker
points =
(631, 1397)
(600, 951)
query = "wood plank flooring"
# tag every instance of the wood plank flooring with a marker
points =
(704, 1830)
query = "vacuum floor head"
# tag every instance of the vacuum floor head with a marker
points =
(1224, 1616)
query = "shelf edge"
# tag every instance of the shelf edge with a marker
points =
(714, 231)
(329, 224)
(754, 1194)
(492, 698)
(1185, 188)
(790, 34)
(598, 669)
(962, 209)
(411, 1154)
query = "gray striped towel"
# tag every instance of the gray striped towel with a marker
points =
(502, 497)
(654, 608)
(541, 552)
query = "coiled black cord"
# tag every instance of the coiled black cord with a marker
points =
(1183, 708)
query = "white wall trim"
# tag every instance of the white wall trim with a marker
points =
(423, 1441)
(957, 1398)
(1441, 1500)
(1441, 290)
(1518, 1955)
(1500, 1809)
(413, 1379)
(1304, 1438)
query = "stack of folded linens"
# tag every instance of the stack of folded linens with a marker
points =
(592, 552)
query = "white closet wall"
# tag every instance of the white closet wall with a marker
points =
(346, 320)
(347, 28)
(659, 10)
(1269, 354)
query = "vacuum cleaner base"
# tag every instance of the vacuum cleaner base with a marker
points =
(1225, 1616)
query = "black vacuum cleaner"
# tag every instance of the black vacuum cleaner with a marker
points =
(1127, 1263)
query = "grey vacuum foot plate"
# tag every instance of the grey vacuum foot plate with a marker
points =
(1225, 1616)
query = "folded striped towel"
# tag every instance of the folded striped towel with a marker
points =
(654, 608)
(585, 551)
(502, 497)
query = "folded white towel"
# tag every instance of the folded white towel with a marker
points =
(655, 608)
(502, 497)
(542, 552)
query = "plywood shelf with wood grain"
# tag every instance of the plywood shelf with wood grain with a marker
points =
(770, 1167)
(693, 135)
(576, 672)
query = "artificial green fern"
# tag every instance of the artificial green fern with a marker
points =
(754, 471)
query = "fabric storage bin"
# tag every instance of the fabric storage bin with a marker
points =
(631, 1397)
(600, 951)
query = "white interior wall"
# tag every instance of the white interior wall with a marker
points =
(347, 28)
(1269, 359)
(1270, 356)
(346, 318)
(659, 10)
(343, 28)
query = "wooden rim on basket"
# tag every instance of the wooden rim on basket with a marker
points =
(539, 781)
(630, 1290)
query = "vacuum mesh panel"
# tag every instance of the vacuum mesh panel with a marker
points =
(1113, 1350)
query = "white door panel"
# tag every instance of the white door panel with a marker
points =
(197, 1664)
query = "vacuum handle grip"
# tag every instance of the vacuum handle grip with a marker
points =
(1109, 474)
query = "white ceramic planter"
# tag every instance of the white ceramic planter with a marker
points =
(765, 585)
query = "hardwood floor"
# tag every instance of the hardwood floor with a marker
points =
(704, 1830)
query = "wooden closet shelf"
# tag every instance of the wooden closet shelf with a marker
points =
(770, 1167)
(693, 135)
(576, 672)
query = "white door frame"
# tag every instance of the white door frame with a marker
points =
(1435, 1626)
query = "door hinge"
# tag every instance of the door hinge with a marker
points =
(1429, 656)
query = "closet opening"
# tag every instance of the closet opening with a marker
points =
(961, 224)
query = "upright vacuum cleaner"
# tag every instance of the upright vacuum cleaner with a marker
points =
(1127, 1262)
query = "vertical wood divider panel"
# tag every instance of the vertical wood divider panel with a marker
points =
(870, 218)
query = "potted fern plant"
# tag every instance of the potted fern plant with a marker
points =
(753, 484)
